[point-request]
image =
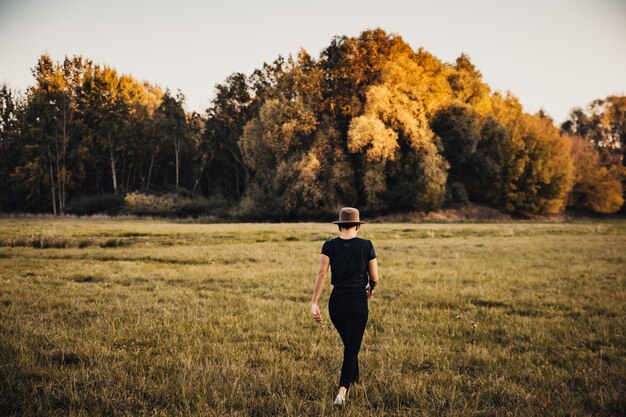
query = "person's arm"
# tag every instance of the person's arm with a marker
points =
(372, 269)
(319, 285)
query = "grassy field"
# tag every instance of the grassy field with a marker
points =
(165, 318)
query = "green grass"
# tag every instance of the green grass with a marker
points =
(148, 317)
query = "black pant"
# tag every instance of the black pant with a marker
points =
(348, 311)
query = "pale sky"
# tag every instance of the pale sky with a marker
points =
(552, 54)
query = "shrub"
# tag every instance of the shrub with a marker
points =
(172, 204)
(112, 243)
(38, 240)
(149, 204)
(192, 207)
(103, 203)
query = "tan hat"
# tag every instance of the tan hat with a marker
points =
(348, 215)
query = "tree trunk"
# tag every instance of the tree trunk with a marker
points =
(122, 182)
(64, 157)
(205, 163)
(52, 191)
(208, 181)
(177, 157)
(129, 175)
(243, 167)
(112, 160)
(58, 168)
(63, 183)
(150, 170)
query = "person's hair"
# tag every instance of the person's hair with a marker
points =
(348, 226)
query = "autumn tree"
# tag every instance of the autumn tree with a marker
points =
(227, 173)
(382, 94)
(289, 147)
(488, 166)
(467, 85)
(105, 112)
(119, 114)
(54, 149)
(458, 125)
(171, 124)
(595, 187)
(533, 160)
(140, 164)
(604, 124)
(506, 157)
(139, 132)
(202, 154)
(546, 178)
(10, 107)
(404, 166)
(352, 65)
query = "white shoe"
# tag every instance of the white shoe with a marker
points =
(340, 400)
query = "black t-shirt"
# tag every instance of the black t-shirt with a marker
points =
(348, 261)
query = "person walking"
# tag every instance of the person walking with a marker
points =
(354, 270)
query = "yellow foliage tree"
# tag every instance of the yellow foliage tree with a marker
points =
(467, 86)
(595, 187)
(540, 177)
(403, 163)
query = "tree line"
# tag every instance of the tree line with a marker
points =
(370, 123)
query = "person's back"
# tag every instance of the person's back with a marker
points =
(349, 259)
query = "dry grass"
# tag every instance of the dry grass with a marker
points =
(149, 317)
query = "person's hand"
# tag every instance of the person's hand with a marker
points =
(315, 311)
(369, 291)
